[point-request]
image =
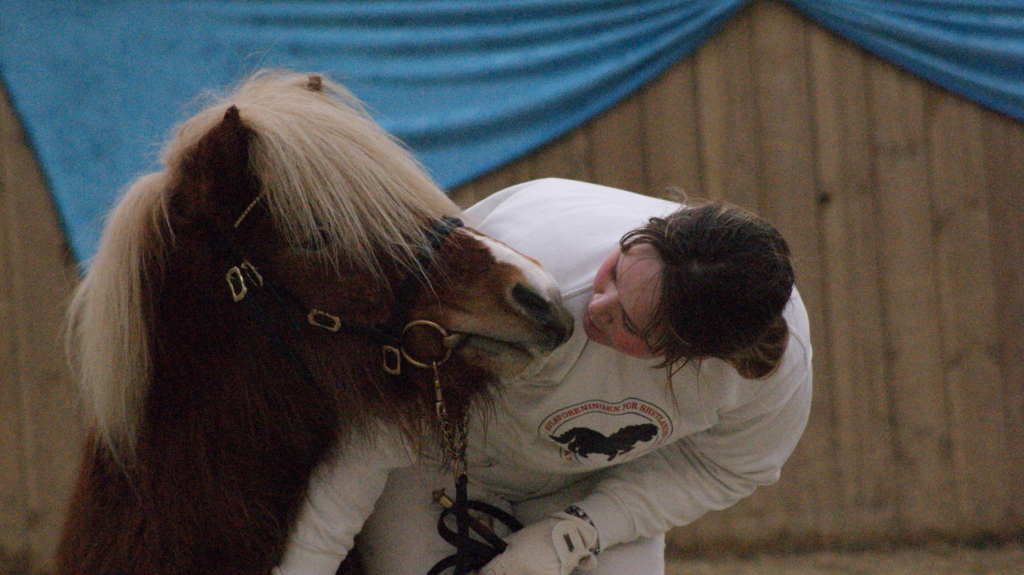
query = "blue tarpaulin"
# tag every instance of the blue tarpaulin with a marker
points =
(468, 85)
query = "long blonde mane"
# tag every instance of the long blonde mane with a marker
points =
(327, 170)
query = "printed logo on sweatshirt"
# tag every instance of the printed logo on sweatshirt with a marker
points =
(599, 432)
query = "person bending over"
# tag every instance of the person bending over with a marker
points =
(685, 386)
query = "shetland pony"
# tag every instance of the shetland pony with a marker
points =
(243, 320)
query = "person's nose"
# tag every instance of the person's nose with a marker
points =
(601, 307)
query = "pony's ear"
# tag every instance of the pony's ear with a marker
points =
(217, 183)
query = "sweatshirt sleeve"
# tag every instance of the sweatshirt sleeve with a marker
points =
(711, 470)
(342, 493)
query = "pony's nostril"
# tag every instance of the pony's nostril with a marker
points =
(556, 323)
(531, 302)
(560, 331)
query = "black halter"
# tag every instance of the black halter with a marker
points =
(249, 285)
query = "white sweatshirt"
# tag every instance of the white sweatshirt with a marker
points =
(666, 455)
(659, 456)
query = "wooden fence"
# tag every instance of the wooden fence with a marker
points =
(40, 425)
(902, 202)
(904, 205)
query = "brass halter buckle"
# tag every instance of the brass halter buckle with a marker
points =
(237, 277)
(392, 360)
(324, 320)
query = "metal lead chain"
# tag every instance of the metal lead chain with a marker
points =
(453, 434)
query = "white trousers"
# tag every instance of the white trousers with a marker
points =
(401, 538)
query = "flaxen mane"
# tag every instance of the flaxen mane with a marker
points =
(326, 170)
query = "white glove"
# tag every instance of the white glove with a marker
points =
(552, 546)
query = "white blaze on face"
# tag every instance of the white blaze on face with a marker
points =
(533, 274)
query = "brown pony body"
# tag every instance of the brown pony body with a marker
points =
(209, 415)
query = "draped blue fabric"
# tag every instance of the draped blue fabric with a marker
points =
(974, 47)
(467, 84)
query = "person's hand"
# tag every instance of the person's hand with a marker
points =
(553, 546)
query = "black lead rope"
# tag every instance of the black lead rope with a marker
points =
(470, 554)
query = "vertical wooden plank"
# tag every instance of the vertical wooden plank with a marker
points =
(616, 137)
(41, 285)
(726, 114)
(567, 157)
(466, 194)
(13, 497)
(671, 139)
(508, 175)
(787, 198)
(853, 360)
(1004, 168)
(911, 306)
(974, 381)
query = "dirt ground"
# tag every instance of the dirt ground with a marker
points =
(934, 560)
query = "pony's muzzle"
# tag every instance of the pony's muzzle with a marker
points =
(559, 330)
(554, 321)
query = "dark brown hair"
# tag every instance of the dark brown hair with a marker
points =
(727, 277)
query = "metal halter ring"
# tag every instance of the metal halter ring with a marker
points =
(449, 341)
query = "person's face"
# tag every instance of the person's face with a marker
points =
(626, 291)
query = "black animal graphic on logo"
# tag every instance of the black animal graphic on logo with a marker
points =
(584, 442)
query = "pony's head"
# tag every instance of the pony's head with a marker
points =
(287, 187)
